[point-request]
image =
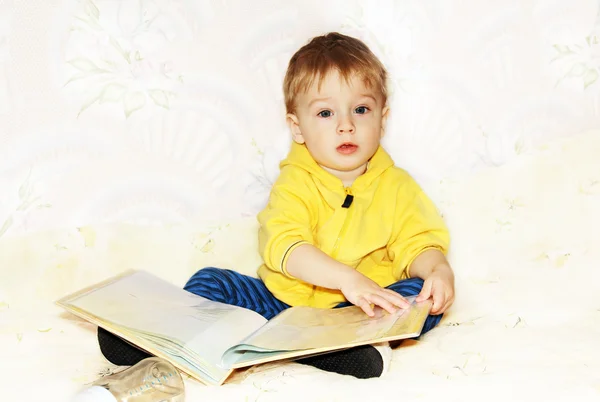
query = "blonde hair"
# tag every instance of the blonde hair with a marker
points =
(324, 53)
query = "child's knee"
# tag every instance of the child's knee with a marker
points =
(407, 287)
(203, 280)
(431, 322)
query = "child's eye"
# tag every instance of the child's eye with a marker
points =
(361, 110)
(324, 113)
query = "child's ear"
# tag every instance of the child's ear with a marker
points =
(294, 125)
(384, 117)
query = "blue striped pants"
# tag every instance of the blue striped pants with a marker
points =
(230, 287)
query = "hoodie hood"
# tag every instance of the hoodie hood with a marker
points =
(300, 157)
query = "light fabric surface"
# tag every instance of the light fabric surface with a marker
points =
(525, 325)
(145, 134)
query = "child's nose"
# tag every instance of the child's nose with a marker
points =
(345, 127)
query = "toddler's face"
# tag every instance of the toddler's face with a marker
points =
(341, 124)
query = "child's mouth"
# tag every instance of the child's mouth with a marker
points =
(347, 148)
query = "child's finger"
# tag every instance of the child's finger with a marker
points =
(425, 292)
(365, 306)
(449, 301)
(438, 300)
(397, 298)
(382, 302)
(445, 307)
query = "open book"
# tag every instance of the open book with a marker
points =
(208, 339)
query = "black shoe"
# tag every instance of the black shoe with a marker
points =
(360, 362)
(118, 351)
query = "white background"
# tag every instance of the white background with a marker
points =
(171, 111)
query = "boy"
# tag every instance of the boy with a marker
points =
(343, 225)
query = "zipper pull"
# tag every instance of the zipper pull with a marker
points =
(348, 200)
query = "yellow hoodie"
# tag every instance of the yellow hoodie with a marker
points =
(378, 225)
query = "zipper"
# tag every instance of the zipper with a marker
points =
(346, 205)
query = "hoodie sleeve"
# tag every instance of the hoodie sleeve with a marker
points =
(417, 227)
(286, 222)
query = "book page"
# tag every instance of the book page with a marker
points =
(151, 308)
(312, 328)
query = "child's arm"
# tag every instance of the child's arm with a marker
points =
(311, 265)
(418, 248)
(431, 266)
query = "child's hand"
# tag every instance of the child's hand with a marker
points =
(439, 284)
(362, 292)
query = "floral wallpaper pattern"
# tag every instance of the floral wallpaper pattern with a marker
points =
(170, 110)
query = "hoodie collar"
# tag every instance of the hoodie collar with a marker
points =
(300, 157)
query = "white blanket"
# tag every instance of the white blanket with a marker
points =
(525, 325)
